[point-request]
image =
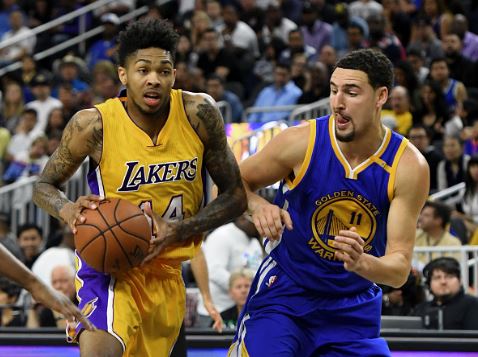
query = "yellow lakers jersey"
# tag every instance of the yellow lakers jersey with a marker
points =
(167, 173)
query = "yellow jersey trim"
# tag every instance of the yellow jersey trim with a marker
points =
(382, 164)
(349, 172)
(308, 156)
(391, 180)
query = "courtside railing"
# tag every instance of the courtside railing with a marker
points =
(310, 111)
(16, 200)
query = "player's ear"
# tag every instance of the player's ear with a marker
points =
(122, 75)
(382, 94)
(174, 77)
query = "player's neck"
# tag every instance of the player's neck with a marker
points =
(151, 124)
(362, 147)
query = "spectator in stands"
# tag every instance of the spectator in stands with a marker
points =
(216, 59)
(105, 82)
(214, 11)
(316, 85)
(405, 76)
(328, 56)
(227, 249)
(44, 102)
(237, 33)
(296, 46)
(62, 279)
(239, 286)
(61, 253)
(252, 14)
(451, 170)
(104, 48)
(317, 33)
(40, 13)
(29, 162)
(469, 39)
(470, 201)
(25, 133)
(402, 301)
(119, 7)
(11, 316)
(424, 39)
(435, 12)
(433, 230)
(71, 70)
(26, 74)
(12, 106)
(365, 8)
(19, 48)
(420, 137)
(71, 100)
(450, 308)
(357, 32)
(7, 7)
(7, 238)
(298, 70)
(56, 121)
(264, 66)
(30, 240)
(276, 25)
(282, 92)
(383, 40)
(453, 90)
(200, 23)
(461, 68)
(398, 117)
(215, 88)
(433, 111)
(416, 59)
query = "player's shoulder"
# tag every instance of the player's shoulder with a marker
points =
(87, 117)
(192, 100)
(413, 172)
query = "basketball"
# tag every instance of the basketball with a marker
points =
(115, 236)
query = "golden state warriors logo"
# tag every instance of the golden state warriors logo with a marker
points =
(338, 211)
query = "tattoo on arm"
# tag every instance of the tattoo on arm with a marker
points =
(222, 166)
(63, 163)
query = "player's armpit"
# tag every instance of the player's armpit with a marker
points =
(82, 137)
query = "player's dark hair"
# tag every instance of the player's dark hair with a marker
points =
(147, 33)
(447, 265)
(441, 211)
(27, 226)
(374, 63)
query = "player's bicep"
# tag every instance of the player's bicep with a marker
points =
(411, 192)
(277, 160)
(80, 138)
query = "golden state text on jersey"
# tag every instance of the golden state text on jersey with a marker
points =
(327, 196)
(167, 173)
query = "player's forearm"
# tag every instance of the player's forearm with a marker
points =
(391, 269)
(15, 270)
(227, 206)
(201, 275)
(49, 198)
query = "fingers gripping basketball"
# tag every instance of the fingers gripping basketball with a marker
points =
(115, 236)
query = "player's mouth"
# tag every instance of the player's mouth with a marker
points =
(152, 99)
(341, 121)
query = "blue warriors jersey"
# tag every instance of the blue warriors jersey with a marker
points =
(327, 196)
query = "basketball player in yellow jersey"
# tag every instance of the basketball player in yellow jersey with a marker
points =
(149, 146)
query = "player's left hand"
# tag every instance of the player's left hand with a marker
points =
(59, 303)
(163, 233)
(349, 248)
(215, 316)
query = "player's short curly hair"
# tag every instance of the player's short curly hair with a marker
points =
(147, 33)
(374, 63)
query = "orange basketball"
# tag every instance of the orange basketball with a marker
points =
(115, 236)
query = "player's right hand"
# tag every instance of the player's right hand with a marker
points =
(270, 220)
(59, 303)
(71, 211)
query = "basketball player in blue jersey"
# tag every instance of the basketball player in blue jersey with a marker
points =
(343, 221)
(151, 146)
